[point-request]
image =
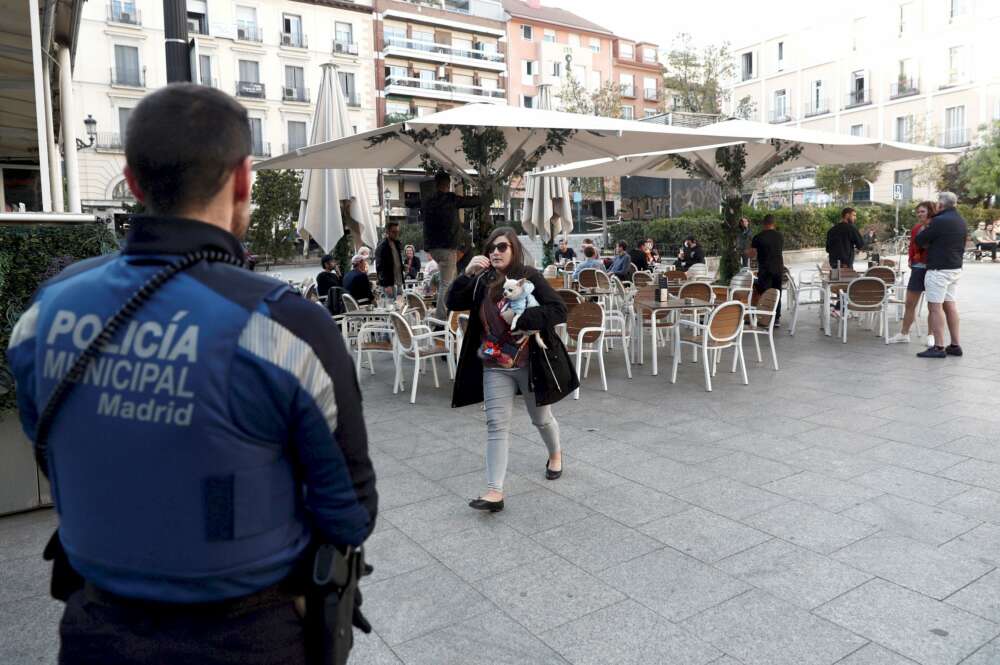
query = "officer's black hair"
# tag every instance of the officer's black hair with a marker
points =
(182, 143)
(442, 178)
(327, 258)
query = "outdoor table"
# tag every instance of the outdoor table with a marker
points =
(829, 286)
(652, 308)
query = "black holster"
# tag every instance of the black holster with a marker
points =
(65, 580)
(330, 604)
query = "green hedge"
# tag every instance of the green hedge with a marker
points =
(29, 255)
(803, 227)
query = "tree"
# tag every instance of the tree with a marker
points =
(981, 167)
(746, 108)
(841, 180)
(275, 197)
(698, 78)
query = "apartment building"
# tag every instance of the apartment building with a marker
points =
(639, 74)
(922, 71)
(267, 53)
(544, 41)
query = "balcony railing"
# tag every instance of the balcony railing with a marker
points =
(294, 94)
(124, 13)
(132, 78)
(816, 107)
(109, 141)
(294, 39)
(779, 115)
(858, 98)
(250, 89)
(352, 99)
(650, 94)
(904, 88)
(260, 149)
(210, 82)
(746, 75)
(345, 47)
(249, 32)
(955, 137)
(446, 86)
(627, 90)
(447, 49)
(491, 9)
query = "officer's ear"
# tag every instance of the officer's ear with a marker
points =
(243, 181)
(133, 185)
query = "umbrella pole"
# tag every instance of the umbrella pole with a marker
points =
(604, 215)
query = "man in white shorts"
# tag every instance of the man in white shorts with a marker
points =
(944, 237)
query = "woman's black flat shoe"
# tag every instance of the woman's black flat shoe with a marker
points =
(482, 504)
(550, 474)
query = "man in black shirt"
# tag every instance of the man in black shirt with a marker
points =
(690, 254)
(442, 232)
(389, 261)
(842, 239)
(328, 277)
(565, 252)
(944, 237)
(767, 246)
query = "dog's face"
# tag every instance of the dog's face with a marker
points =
(512, 288)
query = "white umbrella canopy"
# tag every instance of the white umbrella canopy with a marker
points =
(524, 130)
(546, 211)
(332, 198)
(764, 144)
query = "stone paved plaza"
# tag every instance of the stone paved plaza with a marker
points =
(843, 510)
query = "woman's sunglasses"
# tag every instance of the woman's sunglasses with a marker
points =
(499, 247)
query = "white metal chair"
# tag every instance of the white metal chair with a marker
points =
(762, 317)
(865, 295)
(722, 330)
(418, 347)
(807, 290)
(373, 337)
(698, 272)
(585, 333)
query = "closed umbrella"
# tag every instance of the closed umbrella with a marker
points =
(333, 198)
(546, 211)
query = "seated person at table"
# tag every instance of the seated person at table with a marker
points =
(649, 249)
(590, 261)
(328, 277)
(690, 254)
(621, 266)
(565, 252)
(985, 240)
(411, 262)
(638, 257)
(356, 281)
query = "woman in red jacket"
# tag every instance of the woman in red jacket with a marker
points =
(918, 267)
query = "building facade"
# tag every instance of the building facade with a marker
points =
(920, 71)
(639, 75)
(267, 53)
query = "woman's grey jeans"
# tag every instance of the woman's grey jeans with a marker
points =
(499, 388)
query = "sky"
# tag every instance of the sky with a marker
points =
(708, 21)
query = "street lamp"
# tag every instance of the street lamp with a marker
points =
(386, 193)
(91, 126)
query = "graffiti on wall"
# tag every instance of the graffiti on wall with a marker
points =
(650, 198)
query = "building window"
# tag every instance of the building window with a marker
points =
(250, 71)
(580, 74)
(746, 67)
(955, 133)
(549, 36)
(393, 34)
(859, 89)
(295, 84)
(197, 22)
(904, 128)
(573, 39)
(556, 68)
(626, 51)
(291, 31)
(344, 33)
(957, 8)
(127, 70)
(526, 32)
(257, 137)
(528, 101)
(246, 24)
(595, 79)
(296, 134)
(818, 103)
(123, 116)
(857, 130)
(422, 35)
(205, 70)
(648, 55)
(649, 113)
(396, 108)
(121, 192)
(595, 44)
(628, 113)
(905, 18)
(529, 67)
(627, 84)
(858, 33)
(956, 65)
(780, 112)
(781, 56)
(395, 72)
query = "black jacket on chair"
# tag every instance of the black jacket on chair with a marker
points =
(552, 374)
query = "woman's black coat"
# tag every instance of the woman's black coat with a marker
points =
(551, 371)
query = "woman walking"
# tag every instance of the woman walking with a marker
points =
(497, 361)
(918, 268)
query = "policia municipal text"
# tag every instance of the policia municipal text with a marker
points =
(201, 424)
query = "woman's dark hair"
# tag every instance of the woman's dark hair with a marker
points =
(745, 219)
(590, 252)
(516, 268)
(623, 245)
(929, 206)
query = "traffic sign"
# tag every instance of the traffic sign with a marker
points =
(897, 192)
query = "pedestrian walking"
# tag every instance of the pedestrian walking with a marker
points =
(842, 239)
(500, 358)
(944, 238)
(443, 233)
(918, 269)
(200, 424)
(389, 262)
(767, 246)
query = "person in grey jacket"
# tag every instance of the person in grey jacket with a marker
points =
(944, 237)
(743, 238)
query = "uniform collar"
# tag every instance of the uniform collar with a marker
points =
(175, 235)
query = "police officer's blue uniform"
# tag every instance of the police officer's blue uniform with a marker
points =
(218, 433)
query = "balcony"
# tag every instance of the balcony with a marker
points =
(249, 32)
(627, 90)
(130, 78)
(490, 9)
(778, 116)
(209, 82)
(344, 47)
(260, 149)
(124, 13)
(955, 137)
(294, 40)
(404, 85)
(109, 141)
(858, 98)
(904, 88)
(251, 89)
(816, 107)
(289, 94)
(650, 94)
(416, 48)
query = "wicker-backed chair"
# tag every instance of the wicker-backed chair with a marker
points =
(865, 295)
(585, 333)
(418, 347)
(723, 329)
(762, 317)
(675, 278)
(587, 279)
(569, 296)
(642, 278)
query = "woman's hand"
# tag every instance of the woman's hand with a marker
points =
(507, 315)
(477, 265)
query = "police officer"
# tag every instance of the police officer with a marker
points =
(215, 435)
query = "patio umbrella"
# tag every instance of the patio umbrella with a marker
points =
(333, 198)
(546, 211)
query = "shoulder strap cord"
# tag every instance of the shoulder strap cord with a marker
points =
(111, 328)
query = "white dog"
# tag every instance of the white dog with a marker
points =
(518, 293)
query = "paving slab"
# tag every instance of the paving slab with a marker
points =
(748, 468)
(910, 484)
(981, 544)
(873, 654)
(539, 510)
(917, 458)
(633, 504)
(981, 597)
(596, 542)
(730, 498)
(810, 527)
(485, 550)
(391, 553)
(822, 491)
(911, 519)
(704, 535)
(976, 472)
